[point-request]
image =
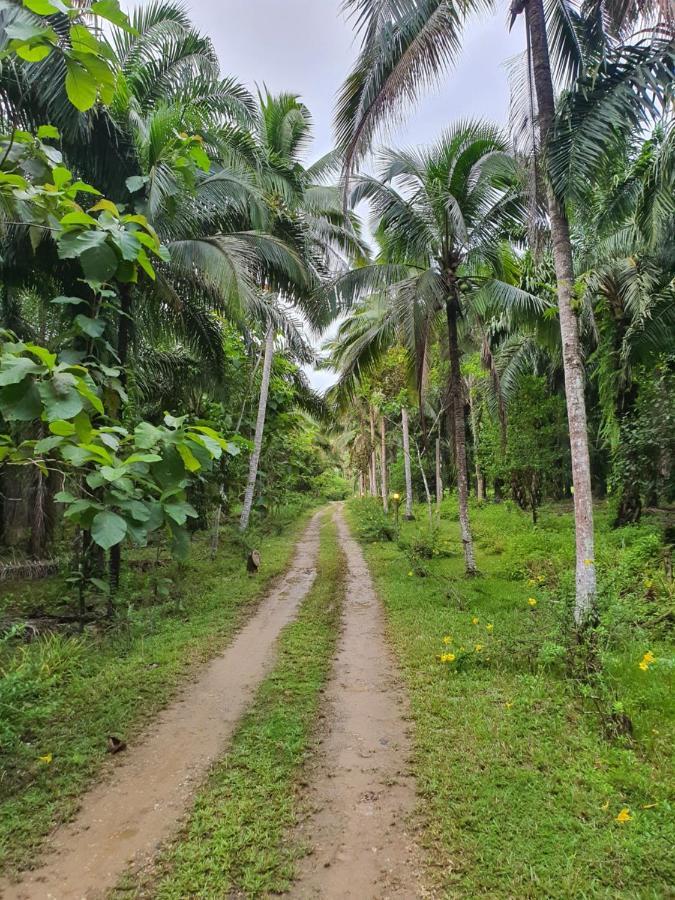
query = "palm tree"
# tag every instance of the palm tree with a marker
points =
(305, 215)
(443, 215)
(407, 44)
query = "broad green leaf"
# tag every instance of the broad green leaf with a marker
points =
(16, 368)
(105, 206)
(136, 182)
(64, 497)
(92, 327)
(179, 512)
(61, 176)
(76, 509)
(31, 52)
(81, 86)
(45, 445)
(61, 427)
(200, 158)
(20, 402)
(89, 395)
(111, 473)
(46, 358)
(110, 10)
(68, 301)
(143, 458)
(147, 435)
(59, 396)
(78, 218)
(82, 40)
(174, 421)
(45, 8)
(145, 264)
(99, 264)
(78, 456)
(83, 428)
(74, 244)
(48, 132)
(190, 462)
(108, 529)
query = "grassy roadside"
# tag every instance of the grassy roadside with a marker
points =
(62, 695)
(521, 790)
(236, 838)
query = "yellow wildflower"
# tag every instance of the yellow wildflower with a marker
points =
(644, 666)
(624, 816)
(541, 579)
(475, 620)
(489, 626)
(588, 562)
(448, 657)
(478, 648)
(447, 640)
(46, 759)
(409, 574)
(531, 582)
(649, 657)
(648, 583)
(532, 601)
(508, 704)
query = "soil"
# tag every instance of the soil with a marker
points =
(123, 820)
(359, 835)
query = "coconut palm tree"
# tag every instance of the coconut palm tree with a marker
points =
(443, 215)
(305, 214)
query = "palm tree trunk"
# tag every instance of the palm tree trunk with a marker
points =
(373, 459)
(480, 481)
(439, 483)
(584, 607)
(405, 424)
(460, 438)
(383, 465)
(259, 429)
(362, 485)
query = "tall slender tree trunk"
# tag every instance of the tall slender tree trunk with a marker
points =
(439, 482)
(373, 458)
(480, 480)
(259, 429)
(384, 480)
(460, 438)
(405, 425)
(362, 485)
(584, 608)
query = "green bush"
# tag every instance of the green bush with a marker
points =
(372, 525)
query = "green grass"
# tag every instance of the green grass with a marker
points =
(60, 696)
(520, 788)
(236, 838)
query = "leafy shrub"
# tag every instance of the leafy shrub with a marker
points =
(372, 525)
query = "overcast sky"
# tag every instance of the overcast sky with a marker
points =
(307, 47)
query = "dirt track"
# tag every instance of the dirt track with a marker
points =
(360, 787)
(360, 792)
